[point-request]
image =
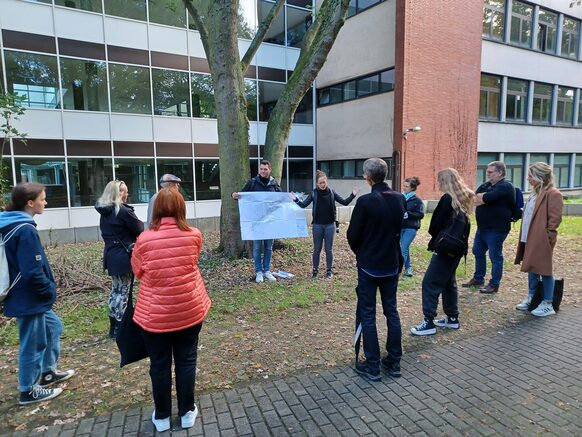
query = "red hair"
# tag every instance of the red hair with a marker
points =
(169, 203)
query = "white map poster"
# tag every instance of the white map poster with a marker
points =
(266, 215)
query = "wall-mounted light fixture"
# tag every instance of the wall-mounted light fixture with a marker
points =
(411, 129)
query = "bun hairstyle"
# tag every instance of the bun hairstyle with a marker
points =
(319, 174)
(414, 182)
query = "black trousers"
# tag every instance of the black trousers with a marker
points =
(183, 346)
(440, 278)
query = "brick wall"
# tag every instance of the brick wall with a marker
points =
(438, 63)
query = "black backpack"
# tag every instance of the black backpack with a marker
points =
(518, 206)
(453, 240)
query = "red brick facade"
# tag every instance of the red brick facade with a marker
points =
(438, 60)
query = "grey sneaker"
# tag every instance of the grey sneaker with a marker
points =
(38, 394)
(259, 277)
(188, 419)
(408, 272)
(544, 309)
(524, 304)
(269, 277)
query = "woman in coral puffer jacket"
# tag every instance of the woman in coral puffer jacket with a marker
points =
(171, 305)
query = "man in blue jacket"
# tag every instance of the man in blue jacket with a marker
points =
(374, 236)
(32, 296)
(495, 201)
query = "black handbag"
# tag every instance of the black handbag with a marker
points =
(129, 338)
(539, 295)
(453, 240)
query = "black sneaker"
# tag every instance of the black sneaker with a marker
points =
(391, 369)
(314, 274)
(448, 322)
(38, 394)
(426, 327)
(53, 376)
(364, 369)
(329, 274)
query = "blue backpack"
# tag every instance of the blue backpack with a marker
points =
(518, 206)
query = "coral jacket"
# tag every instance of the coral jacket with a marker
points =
(172, 295)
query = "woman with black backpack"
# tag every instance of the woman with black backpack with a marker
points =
(449, 229)
(324, 218)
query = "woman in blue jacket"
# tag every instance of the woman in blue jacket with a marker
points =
(120, 228)
(411, 223)
(32, 296)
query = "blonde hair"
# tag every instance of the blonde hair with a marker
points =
(112, 195)
(451, 182)
(541, 173)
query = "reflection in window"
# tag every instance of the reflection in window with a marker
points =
(521, 17)
(202, 96)
(578, 170)
(357, 6)
(547, 31)
(516, 107)
(207, 179)
(493, 19)
(350, 168)
(87, 179)
(170, 93)
(140, 177)
(489, 97)
(304, 112)
(387, 81)
(33, 76)
(298, 21)
(135, 9)
(246, 19)
(570, 37)
(84, 85)
(368, 85)
(169, 12)
(276, 33)
(86, 5)
(361, 87)
(514, 164)
(580, 111)
(542, 103)
(565, 109)
(483, 160)
(49, 172)
(562, 170)
(251, 97)
(181, 168)
(269, 93)
(300, 175)
(130, 89)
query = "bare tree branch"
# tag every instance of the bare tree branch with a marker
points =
(200, 26)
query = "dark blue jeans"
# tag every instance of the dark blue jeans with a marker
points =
(440, 279)
(491, 241)
(366, 315)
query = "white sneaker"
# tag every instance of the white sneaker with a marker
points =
(544, 309)
(259, 277)
(269, 277)
(524, 304)
(160, 424)
(189, 418)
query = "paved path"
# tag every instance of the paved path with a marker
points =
(525, 381)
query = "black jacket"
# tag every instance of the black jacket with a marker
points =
(256, 184)
(415, 210)
(441, 217)
(495, 214)
(118, 232)
(374, 231)
(319, 204)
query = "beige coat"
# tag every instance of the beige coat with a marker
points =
(536, 255)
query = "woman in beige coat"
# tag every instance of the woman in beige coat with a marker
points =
(542, 215)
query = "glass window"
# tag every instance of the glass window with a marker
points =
(493, 19)
(335, 169)
(570, 37)
(33, 76)
(135, 9)
(542, 103)
(87, 179)
(538, 157)
(324, 96)
(352, 9)
(269, 93)
(183, 168)
(202, 96)
(349, 170)
(364, 4)
(207, 179)
(170, 93)
(516, 107)
(565, 109)
(580, 110)
(246, 19)
(304, 112)
(521, 18)
(514, 163)
(298, 21)
(86, 5)
(276, 33)
(483, 159)
(140, 177)
(169, 12)
(300, 175)
(578, 170)
(47, 171)
(547, 31)
(130, 89)
(562, 170)
(368, 85)
(350, 90)
(84, 85)
(489, 99)
(323, 166)
(251, 96)
(387, 80)
(336, 93)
